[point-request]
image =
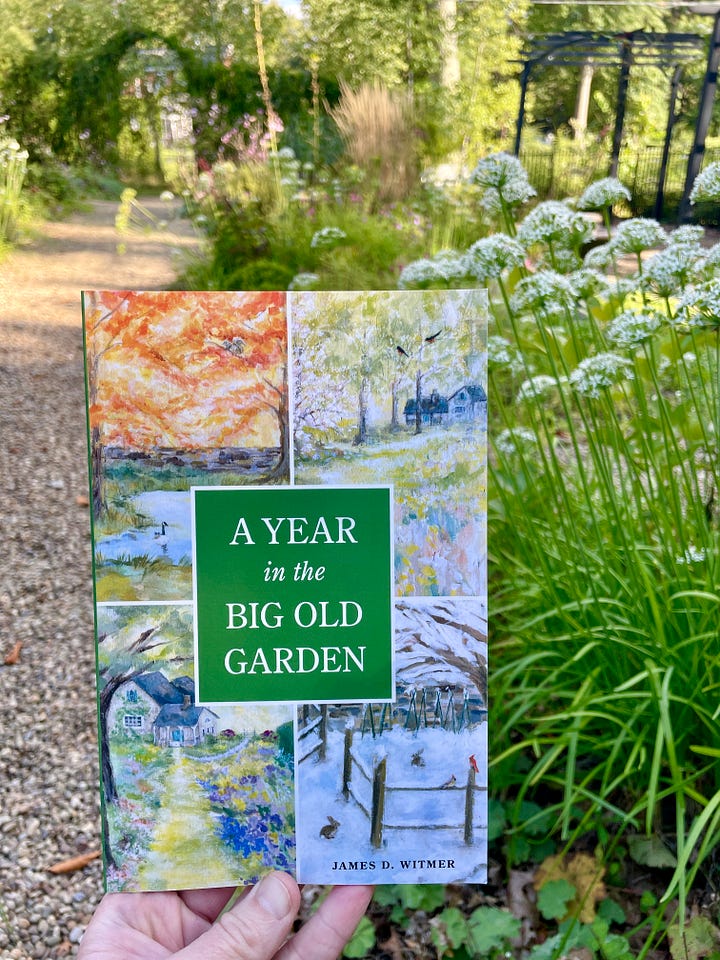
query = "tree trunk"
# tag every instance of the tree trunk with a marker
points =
(418, 402)
(361, 435)
(450, 76)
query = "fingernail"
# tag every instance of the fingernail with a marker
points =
(272, 893)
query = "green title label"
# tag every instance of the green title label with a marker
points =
(293, 594)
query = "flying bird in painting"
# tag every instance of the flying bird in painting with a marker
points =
(401, 352)
(433, 337)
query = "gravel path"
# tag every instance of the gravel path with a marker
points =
(48, 753)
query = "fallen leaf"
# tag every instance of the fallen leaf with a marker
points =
(75, 863)
(584, 873)
(14, 655)
(82, 501)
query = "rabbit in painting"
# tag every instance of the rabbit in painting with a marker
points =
(330, 828)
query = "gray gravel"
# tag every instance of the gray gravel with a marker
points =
(48, 753)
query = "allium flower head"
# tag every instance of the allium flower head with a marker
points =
(700, 306)
(693, 554)
(600, 257)
(327, 237)
(638, 234)
(490, 257)
(515, 440)
(553, 222)
(504, 177)
(304, 281)
(597, 373)
(632, 327)
(536, 387)
(589, 283)
(603, 193)
(670, 270)
(545, 290)
(689, 234)
(707, 185)
(445, 268)
(502, 355)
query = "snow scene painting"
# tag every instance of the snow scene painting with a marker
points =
(390, 388)
(193, 796)
(397, 793)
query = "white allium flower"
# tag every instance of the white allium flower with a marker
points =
(504, 177)
(536, 387)
(690, 234)
(589, 283)
(638, 234)
(328, 237)
(491, 256)
(693, 554)
(515, 440)
(599, 372)
(553, 222)
(501, 354)
(603, 193)
(632, 327)
(670, 270)
(167, 196)
(707, 185)
(545, 290)
(700, 306)
(562, 260)
(711, 257)
(445, 267)
(304, 281)
(600, 257)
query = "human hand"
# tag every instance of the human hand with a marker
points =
(187, 925)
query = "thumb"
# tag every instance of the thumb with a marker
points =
(254, 928)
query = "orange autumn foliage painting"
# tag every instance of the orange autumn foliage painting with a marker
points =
(183, 370)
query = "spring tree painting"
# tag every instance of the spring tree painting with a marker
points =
(183, 388)
(388, 388)
(192, 796)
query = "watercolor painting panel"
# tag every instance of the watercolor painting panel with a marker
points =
(390, 388)
(397, 793)
(183, 388)
(192, 796)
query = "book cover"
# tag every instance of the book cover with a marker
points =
(289, 551)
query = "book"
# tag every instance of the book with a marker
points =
(288, 500)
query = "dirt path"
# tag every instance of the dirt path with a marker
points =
(48, 754)
(40, 283)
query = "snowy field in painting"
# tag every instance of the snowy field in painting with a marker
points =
(430, 821)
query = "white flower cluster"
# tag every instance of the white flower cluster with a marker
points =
(600, 257)
(536, 387)
(632, 327)
(668, 272)
(688, 235)
(589, 283)
(446, 267)
(515, 440)
(491, 256)
(553, 222)
(603, 193)
(327, 237)
(502, 355)
(597, 373)
(638, 234)
(304, 281)
(545, 290)
(503, 178)
(707, 185)
(700, 306)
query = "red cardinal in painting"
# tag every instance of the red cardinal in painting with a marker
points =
(473, 763)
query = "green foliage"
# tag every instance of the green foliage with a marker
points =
(553, 899)
(362, 940)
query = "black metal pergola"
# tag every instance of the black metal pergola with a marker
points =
(628, 50)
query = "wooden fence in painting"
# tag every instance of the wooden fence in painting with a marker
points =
(312, 732)
(370, 790)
